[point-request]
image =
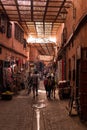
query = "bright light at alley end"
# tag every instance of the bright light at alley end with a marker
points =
(53, 39)
(30, 39)
(41, 40)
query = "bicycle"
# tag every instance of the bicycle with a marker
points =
(70, 105)
(74, 103)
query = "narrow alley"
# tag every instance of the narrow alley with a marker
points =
(25, 113)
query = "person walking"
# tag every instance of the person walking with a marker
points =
(49, 85)
(35, 84)
(53, 88)
(29, 83)
(46, 85)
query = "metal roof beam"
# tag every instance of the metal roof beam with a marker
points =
(59, 10)
(18, 10)
(42, 48)
(31, 10)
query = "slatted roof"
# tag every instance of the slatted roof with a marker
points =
(39, 18)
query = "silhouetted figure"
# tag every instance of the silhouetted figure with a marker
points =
(35, 84)
(46, 85)
(49, 85)
(53, 86)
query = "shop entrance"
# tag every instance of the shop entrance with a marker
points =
(1, 75)
(83, 89)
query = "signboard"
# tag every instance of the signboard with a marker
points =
(45, 58)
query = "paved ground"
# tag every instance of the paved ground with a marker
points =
(25, 113)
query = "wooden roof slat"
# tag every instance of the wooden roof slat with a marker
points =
(35, 13)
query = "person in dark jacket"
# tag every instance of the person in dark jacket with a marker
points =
(49, 85)
(53, 88)
(46, 85)
(35, 84)
(29, 83)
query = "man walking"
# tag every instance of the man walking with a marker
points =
(35, 84)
